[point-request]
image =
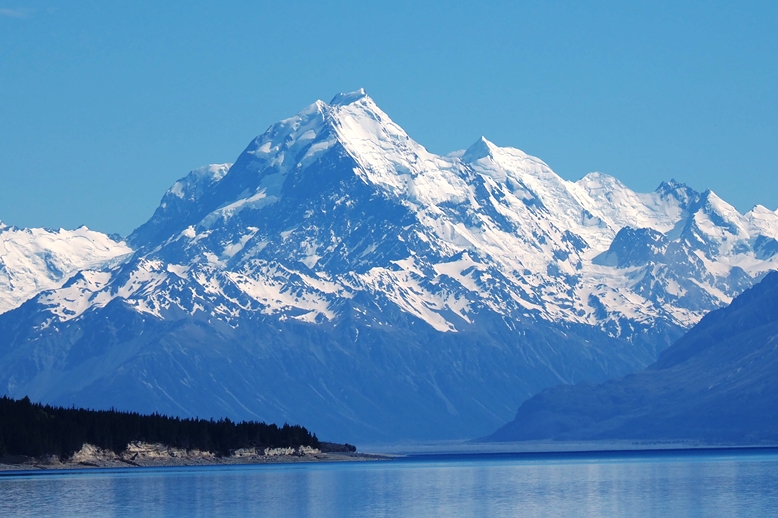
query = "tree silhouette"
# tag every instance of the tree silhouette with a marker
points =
(32, 429)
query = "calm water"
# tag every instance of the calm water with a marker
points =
(724, 483)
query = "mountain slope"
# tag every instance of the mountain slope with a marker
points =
(715, 384)
(339, 274)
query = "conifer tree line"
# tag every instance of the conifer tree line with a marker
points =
(34, 430)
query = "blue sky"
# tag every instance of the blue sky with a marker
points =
(103, 105)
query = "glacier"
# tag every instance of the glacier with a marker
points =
(340, 275)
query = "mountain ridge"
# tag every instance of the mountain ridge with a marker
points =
(335, 227)
(34, 260)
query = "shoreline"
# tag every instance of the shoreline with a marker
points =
(143, 455)
(51, 463)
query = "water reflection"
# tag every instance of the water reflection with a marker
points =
(704, 485)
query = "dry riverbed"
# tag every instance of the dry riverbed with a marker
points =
(139, 454)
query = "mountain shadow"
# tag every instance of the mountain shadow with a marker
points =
(717, 384)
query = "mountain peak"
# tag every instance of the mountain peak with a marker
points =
(482, 148)
(672, 185)
(601, 180)
(708, 198)
(681, 192)
(343, 99)
(756, 210)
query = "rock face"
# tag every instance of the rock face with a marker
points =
(340, 275)
(152, 454)
(716, 384)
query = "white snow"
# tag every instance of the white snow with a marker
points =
(275, 297)
(503, 231)
(34, 260)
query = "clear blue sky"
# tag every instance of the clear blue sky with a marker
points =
(104, 104)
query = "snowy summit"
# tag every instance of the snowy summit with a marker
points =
(341, 256)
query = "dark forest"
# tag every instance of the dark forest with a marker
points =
(33, 430)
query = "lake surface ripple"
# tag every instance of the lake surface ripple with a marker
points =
(709, 483)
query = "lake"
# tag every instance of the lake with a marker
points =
(682, 483)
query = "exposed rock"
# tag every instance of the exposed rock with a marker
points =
(142, 454)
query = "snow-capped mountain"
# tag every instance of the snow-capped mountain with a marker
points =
(340, 275)
(34, 260)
